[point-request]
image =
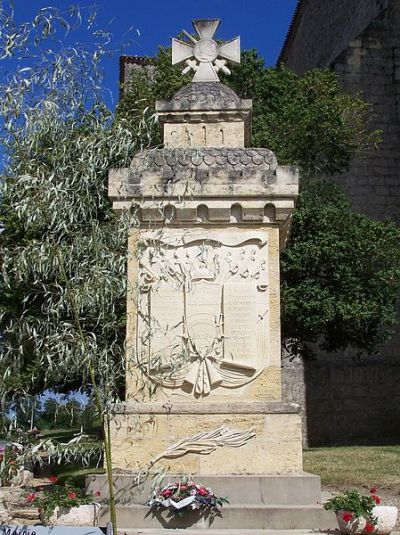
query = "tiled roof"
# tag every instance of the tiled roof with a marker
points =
(291, 33)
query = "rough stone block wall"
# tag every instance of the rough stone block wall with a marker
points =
(343, 402)
(323, 29)
(371, 64)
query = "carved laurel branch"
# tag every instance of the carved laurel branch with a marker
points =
(207, 442)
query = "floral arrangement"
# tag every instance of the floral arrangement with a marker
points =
(57, 496)
(186, 495)
(353, 505)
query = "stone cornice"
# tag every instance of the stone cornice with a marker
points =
(232, 407)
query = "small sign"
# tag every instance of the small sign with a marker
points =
(49, 530)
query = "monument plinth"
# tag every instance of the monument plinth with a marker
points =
(203, 385)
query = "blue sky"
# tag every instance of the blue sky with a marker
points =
(261, 24)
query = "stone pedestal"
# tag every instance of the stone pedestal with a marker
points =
(203, 331)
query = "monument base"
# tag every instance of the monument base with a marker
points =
(272, 502)
(219, 438)
(248, 452)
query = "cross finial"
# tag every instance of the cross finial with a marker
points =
(205, 56)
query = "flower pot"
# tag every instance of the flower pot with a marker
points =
(385, 514)
(83, 515)
(354, 526)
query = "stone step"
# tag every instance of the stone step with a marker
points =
(298, 488)
(223, 532)
(243, 516)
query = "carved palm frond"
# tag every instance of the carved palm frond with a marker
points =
(207, 442)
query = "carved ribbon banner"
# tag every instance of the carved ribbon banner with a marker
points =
(207, 442)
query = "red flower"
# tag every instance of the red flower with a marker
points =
(202, 491)
(31, 497)
(71, 495)
(98, 493)
(376, 499)
(347, 516)
(166, 493)
(369, 528)
(53, 479)
(372, 490)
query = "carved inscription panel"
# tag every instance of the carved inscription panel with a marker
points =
(240, 319)
(203, 308)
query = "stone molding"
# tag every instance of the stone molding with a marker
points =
(206, 185)
(232, 407)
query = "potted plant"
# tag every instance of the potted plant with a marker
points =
(360, 513)
(188, 500)
(67, 506)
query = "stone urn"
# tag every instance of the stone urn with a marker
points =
(82, 515)
(385, 514)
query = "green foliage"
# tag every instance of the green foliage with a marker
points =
(341, 273)
(353, 502)
(62, 248)
(306, 120)
(70, 414)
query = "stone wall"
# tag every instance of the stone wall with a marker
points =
(343, 402)
(322, 29)
(360, 40)
(371, 64)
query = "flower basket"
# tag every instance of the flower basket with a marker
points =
(186, 504)
(81, 515)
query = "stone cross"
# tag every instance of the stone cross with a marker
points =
(205, 56)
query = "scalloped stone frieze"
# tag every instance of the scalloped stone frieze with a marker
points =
(230, 159)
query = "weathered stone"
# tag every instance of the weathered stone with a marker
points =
(203, 327)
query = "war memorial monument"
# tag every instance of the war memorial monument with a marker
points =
(203, 383)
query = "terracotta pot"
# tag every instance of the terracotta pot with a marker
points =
(385, 514)
(83, 515)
